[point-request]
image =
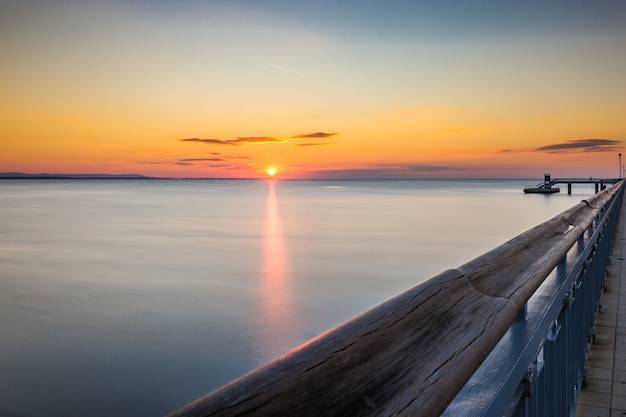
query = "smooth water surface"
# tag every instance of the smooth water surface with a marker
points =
(134, 297)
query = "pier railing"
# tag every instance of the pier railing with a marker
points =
(505, 334)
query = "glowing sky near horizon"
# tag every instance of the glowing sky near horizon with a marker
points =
(324, 89)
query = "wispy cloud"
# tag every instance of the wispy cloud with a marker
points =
(385, 171)
(242, 141)
(283, 68)
(312, 144)
(201, 159)
(257, 140)
(316, 135)
(260, 140)
(208, 141)
(588, 145)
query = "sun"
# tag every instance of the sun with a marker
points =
(271, 172)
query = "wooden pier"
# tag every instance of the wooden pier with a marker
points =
(604, 393)
(548, 184)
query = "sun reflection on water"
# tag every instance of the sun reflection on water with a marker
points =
(275, 319)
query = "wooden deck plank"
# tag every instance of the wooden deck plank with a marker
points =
(604, 394)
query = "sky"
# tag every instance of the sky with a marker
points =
(313, 89)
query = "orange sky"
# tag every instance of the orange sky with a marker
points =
(344, 91)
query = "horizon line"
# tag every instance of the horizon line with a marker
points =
(87, 176)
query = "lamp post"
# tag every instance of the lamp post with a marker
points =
(620, 166)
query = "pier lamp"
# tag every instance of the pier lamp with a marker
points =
(620, 166)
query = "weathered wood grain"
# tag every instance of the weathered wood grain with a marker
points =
(398, 357)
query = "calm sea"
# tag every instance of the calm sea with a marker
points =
(134, 297)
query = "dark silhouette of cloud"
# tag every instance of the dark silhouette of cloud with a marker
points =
(257, 140)
(316, 135)
(208, 141)
(241, 141)
(260, 140)
(312, 144)
(201, 159)
(589, 145)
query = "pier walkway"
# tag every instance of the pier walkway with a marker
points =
(604, 394)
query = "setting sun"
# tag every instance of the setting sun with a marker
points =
(437, 106)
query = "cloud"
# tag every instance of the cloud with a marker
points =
(283, 68)
(589, 145)
(312, 144)
(256, 140)
(200, 159)
(209, 141)
(390, 171)
(260, 140)
(241, 141)
(316, 135)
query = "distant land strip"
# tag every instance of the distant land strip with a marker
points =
(23, 176)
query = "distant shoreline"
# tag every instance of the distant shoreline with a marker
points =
(43, 176)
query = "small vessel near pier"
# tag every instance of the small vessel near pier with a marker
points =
(541, 190)
(545, 187)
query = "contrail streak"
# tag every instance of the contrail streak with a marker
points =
(283, 68)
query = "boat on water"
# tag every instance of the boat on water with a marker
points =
(541, 190)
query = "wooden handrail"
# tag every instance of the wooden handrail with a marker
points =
(412, 354)
(515, 269)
